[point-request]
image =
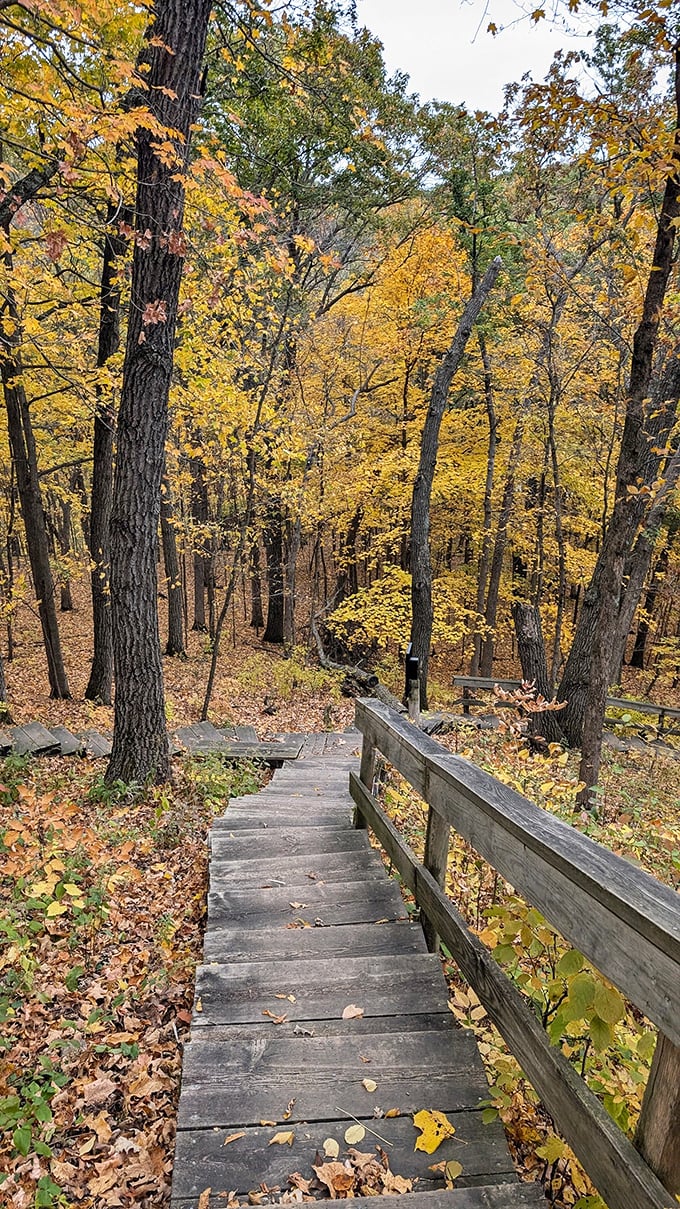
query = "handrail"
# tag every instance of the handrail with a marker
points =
(623, 919)
(488, 684)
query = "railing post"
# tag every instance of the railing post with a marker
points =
(658, 1132)
(436, 862)
(369, 756)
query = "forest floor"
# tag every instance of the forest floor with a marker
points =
(102, 906)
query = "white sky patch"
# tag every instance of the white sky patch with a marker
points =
(445, 49)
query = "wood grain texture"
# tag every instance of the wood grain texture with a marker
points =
(606, 906)
(658, 1132)
(322, 989)
(334, 903)
(269, 872)
(285, 842)
(345, 940)
(612, 1163)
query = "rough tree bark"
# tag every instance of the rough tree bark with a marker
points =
(273, 544)
(256, 614)
(586, 679)
(176, 44)
(199, 516)
(421, 566)
(485, 552)
(531, 647)
(100, 683)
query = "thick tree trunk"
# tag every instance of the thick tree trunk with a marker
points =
(176, 43)
(637, 454)
(24, 457)
(64, 534)
(421, 565)
(531, 648)
(173, 578)
(637, 658)
(99, 686)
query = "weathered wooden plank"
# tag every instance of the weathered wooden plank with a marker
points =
(332, 904)
(260, 1078)
(201, 1160)
(265, 750)
(97, 746)
(487, 1196)
(34, 739)
(5, 742)
(297, 870)
(322, 989)
(359, 1028)
(302, 815)
(614, 1166)
(285, 842)
(603, 904)
(69, 745)
(435, 859)
(285, 944)
(246, 734)
(658, 1132)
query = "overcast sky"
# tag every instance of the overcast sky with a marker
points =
(445, 49)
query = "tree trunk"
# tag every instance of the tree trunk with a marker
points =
(531, 648)
(176, 43)
(421, 566)
(587, 707)
(199, 516)
(499, 546)
(64, 535)
(256, 613)
(485, 553)
(173, 578)
(24, 456)
(273, 544)
(100, 684)
(637, 658)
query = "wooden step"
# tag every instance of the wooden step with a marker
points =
(358, 902)
(298, 870)
(488, 1196)
(285, 842)
(272, 943)
(34, 739)
(97, 746)
(69, 745)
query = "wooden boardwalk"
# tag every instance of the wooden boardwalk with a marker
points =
(302, 922)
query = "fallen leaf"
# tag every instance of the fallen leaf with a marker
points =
(274, 1019)
(199, 1008)
(352, 1012)
(289, 1108)
(393, 1112)
(331, 1148)
(282, 1139)
(355, 1133)
(369, 1084)
(435, 1128)
(98, 1091)
(204, 1199)
(336, 1177)
(299, 1181)
(290, 998)
(452, 1171)
(298, 906)
(233, 1137)
(267, 1122)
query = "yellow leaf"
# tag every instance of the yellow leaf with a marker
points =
(451, 1172)
(393, 1112)
(435, 1128)
(369, 1084)
(56, 909)
(284, 1138)
(331, 1148)
(73, 890)
(355, 1133)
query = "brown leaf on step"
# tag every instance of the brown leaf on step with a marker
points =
(393, 1112)
(298, 1181)
(364, 1058)
(298, 906)
(199, 1005)
(267, 1122)
(336, 1177)
(283, 1138)
(233, 1137)
(204, 1199)
(274, 1019)
(352, 1012)
(369, 1084)
(289, 1108)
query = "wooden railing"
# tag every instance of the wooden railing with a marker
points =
(625, 921)
(486, 684)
